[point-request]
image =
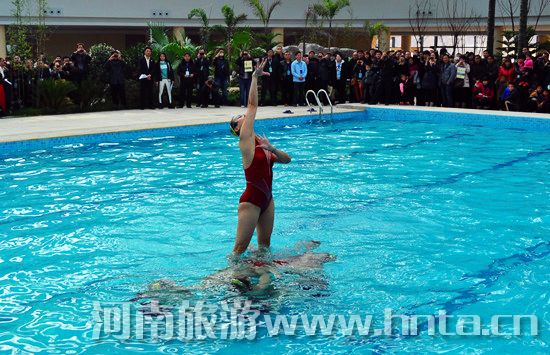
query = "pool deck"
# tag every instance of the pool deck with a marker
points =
(40, 127)
(51, 126)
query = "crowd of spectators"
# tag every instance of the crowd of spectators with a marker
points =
(428, 78)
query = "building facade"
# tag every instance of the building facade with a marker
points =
(124, 23)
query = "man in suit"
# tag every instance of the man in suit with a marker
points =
(270, 79)
(202, 66)
(146, 82)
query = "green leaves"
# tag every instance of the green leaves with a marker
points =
(261, 11)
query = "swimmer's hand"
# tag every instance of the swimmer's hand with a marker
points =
(264, 143)
(260, 69)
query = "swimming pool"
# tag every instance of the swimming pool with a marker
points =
(422, 215)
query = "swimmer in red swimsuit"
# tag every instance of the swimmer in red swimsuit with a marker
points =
(256, 207)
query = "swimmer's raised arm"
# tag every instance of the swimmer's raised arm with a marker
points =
(247, 129)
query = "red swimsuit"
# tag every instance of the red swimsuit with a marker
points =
(259, 177)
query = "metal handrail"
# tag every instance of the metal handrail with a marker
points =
(328, 99)
(319, 105)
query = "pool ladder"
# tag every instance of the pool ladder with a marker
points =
(320, 106)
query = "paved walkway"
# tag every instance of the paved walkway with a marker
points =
(38, 127)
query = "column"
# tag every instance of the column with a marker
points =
(280, 35)
(3, 49)
(406, 43)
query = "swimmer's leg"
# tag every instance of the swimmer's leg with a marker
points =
(248, 217)
(265, 226)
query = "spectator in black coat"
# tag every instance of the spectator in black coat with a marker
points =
(312, 79)
(81, 61)
(186, 73)
(209, 94)
(146, 80)
(221, 73)
(202, 66)
(339, 77)
(287, 85)
(115, 68)
(269, 80)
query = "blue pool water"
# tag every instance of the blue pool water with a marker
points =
(422, 216)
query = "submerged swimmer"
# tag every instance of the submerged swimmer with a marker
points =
(256, 207)
(252, 278)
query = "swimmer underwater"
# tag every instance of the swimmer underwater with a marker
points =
(256, 207)
(254, 278)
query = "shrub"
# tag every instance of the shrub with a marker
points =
(99, 53)
(89, 94)
(53, 95)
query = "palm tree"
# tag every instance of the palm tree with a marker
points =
(523, 13)
(231, 21)
(375, 29)
(328, 9)
(491, 26)
(261, 11)
(205, 22)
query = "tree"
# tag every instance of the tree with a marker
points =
(457, 19)
(263, 12)
(509, 9)
(523, 13)
(375, 30)
(18, 34)
(231, 21)
(328, 9)
(41, 29)
(419, 14)
(491, 26)
(200, 14)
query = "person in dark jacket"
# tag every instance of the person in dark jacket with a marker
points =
(81, 60)
(186, 74)
(477, 69)
(146, 67)
(164, 77)
(430, 81)
(387, 85)
(115, 68)
(339, 77)
(312, 79)
(221, 73)
(324, 70)
(209, 94)
(287, 85)
(202, 65)
(369, 82)
(269, 80)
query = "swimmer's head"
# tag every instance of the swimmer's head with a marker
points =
(236, 124)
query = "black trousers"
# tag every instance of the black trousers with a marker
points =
(186, 92)
(287, 89)
(146, 93)
(299, 93)
(209, 96)
(269, 86)
(118, 94)
(340, 87)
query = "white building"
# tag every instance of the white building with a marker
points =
(123, 23)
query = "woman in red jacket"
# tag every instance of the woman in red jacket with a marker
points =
(506, 74)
